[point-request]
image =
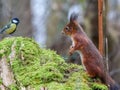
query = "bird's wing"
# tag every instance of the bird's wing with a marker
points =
(4, 28)
(12, 29)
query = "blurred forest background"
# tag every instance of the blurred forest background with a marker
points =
(43, 20)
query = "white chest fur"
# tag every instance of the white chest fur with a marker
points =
(73, 43)
(80, 53)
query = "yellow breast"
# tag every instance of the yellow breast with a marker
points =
(11, 29)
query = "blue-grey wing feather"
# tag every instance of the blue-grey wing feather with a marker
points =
(4, 28)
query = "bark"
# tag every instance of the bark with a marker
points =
(6, 73)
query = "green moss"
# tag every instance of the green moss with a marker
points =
(13, 87)
(1, 81)
(34, 67)
(98, 86)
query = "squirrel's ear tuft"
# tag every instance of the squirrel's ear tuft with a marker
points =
(74, 16)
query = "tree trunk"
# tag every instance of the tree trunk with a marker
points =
(92, 16)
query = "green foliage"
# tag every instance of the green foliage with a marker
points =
(98, 86)
(34, 68)
(0, 81)
(13, 87)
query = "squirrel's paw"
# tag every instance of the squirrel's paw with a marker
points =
(71, 50)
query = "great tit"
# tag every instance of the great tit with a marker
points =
(10, 27)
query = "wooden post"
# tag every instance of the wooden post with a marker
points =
(100, 25)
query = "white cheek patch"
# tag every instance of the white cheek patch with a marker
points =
(15, 21)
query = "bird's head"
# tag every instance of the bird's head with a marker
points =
(15, 20)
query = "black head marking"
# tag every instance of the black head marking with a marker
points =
(15, 20)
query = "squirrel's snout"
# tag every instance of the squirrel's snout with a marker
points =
(62, 32)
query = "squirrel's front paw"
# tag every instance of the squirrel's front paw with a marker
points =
(71, 46)
(71, 50)
(70, 53)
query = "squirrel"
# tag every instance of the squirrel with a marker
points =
(92, 60)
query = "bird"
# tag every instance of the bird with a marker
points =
(11, 27)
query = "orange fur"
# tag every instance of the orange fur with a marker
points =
(91, 58)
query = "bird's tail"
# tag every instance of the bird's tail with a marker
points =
(111, 83)
(1, 31)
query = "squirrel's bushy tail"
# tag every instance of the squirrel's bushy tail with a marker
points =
(111, 83)
(114, 87)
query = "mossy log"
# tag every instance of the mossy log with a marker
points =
(26, 66)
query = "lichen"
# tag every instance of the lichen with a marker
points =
(34, 68)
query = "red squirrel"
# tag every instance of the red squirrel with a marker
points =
(92, 60)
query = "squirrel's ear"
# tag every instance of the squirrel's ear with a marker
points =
(74, 17)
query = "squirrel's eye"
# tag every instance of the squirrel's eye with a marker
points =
(67, 28)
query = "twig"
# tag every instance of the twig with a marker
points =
(100, 25)
(106, 53)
